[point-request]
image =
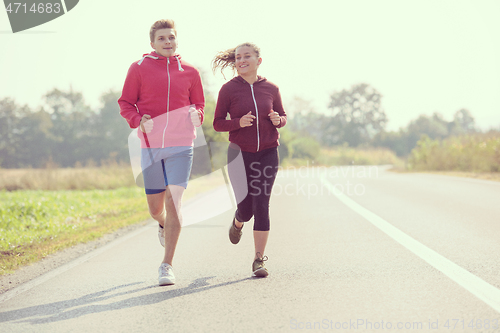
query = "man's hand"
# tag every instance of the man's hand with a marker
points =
(146, 123)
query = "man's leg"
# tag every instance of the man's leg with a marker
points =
(156, 204)
(173, 222)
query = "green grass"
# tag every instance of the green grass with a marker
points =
(89, 178)
(34, 224)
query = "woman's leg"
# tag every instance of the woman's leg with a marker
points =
(268, 167)
(260, 242)
(239, 172)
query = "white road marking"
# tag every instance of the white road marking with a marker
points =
(478, 287)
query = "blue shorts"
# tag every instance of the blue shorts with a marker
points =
(166, 166)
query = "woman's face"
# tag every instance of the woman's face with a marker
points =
(246, 61)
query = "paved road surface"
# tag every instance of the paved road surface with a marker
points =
(355, 249)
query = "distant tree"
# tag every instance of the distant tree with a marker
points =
(303, 119)
(112, 130)
(435, 127)
(35, 137)
(74, 128)
(357, 116)
(298, 106)
(9, 129)
(24, 136)
(208, 129)
(397, 141)
(213, 156)
(463, 122)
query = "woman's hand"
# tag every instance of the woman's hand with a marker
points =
(247, 119)
(146, 123)
(275, 118)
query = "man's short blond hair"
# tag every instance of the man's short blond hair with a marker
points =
(161, 24)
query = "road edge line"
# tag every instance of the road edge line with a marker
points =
(475, 285)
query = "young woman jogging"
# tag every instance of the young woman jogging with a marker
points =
(163, 96)
(256, 112)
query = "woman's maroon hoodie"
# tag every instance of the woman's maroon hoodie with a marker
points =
(236, 98)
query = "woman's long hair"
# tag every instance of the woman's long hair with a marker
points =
(227, 58)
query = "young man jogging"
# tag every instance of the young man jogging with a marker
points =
(163, 96)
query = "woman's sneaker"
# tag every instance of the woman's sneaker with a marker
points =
(235, 233)
(165, 275)
(161, 235)
(258, 267)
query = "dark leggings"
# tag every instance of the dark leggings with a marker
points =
(252, 188)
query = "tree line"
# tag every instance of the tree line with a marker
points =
(66, 132)
(356, 117)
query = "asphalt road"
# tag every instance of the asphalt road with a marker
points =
(353, 249)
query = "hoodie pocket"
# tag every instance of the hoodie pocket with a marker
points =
(179, 129)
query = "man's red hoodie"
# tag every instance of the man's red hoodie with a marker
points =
(164, 88)
(236, 98)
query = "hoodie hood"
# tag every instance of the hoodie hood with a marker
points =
(239, 79)
(176, 58)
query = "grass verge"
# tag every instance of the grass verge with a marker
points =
(36, 223)
(90, 178)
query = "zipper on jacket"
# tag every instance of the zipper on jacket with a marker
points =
(257, 116)
(168, 103)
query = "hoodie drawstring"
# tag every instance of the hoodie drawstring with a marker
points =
(146, 56)
(153, 57)
(179, 63)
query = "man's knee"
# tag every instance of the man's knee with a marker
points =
(157, 215)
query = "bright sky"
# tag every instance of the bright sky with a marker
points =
(423, 56)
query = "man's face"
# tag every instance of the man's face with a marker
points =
(165, 42)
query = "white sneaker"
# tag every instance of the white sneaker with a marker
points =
(161, 235)
(165, 275)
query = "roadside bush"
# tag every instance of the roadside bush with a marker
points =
(478, 152)
(345, 155)
(305, 148)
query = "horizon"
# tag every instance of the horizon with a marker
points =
(423, 58)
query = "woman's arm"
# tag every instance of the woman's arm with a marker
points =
(278, 107)
(221, 124)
